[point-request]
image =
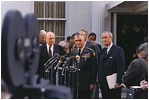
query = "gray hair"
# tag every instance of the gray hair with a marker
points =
(64, 44)
(144, 47)
(78, 34)
(42, 32)
(108, 33)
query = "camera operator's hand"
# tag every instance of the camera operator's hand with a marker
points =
(91, 86)
(117, 85)
(144, 85)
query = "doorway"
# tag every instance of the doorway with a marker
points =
(128, 37)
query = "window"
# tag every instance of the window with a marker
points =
(51, 16)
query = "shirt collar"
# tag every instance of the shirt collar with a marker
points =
(85, 43)
(109, 47)
(81, 48)
(49, 46)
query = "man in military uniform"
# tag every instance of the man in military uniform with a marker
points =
(87, 66)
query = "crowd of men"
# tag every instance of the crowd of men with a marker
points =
(103, 66)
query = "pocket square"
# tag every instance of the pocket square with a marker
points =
(110, 57)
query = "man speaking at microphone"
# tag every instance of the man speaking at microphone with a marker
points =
(47, 50)
(87, 66)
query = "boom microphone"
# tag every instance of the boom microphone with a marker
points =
(52, 59)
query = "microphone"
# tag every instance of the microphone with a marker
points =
(74, 51)
(52, 59)
(70, 58)
(78, 58)
(59, 62)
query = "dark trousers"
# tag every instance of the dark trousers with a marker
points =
(111, 94)
(83, 94)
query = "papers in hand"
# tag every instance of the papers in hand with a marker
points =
(135, 87)
(111, 79)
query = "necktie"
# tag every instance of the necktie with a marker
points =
(50, 52)
(106, 50)
(79, 52)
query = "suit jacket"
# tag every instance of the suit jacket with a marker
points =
(97, 49)
(99, 46)
(44, 55)
(87, 73)
(110, 63)
(136, 72)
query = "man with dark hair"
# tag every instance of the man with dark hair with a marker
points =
(138, 38)
(70, 41)
(137, 73)
(92, 38)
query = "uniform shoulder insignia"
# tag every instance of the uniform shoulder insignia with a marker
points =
(90, 49)
(94, 54)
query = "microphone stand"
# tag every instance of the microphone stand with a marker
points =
(77, 64)
(49, 70)
(71, 74)
(57, 72)
(65, 74)
(65, 77)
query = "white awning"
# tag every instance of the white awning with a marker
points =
(128, 6)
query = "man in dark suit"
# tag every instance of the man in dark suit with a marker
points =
(92, 38)
(42, 37)
(111, 61)
(87, 75)
(137, 72)
(70, 41)
(47, 50)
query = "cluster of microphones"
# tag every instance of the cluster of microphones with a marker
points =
(61, 60)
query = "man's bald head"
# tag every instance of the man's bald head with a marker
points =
(50, 38)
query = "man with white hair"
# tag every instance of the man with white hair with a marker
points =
(42, 36)
(112, 62)
(47, 50)
(65, 46)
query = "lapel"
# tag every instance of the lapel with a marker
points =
(109, 53)
(83, 52)
(45, 49)
(54, 49)
(87, 44)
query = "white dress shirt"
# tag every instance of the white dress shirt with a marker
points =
(109, 47)
(52, 48)
(81, 50)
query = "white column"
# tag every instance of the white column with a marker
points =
(115, 27)
(100, 19)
